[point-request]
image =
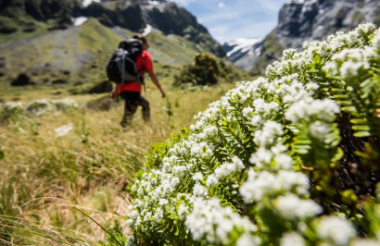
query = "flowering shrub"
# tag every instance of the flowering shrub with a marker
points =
(36, 107)
(288, 159)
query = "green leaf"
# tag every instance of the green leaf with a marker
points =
(361, 128)
(341, 96)
(350, 109)
(339, 155)
(1, 155)
(359, 121)
(362, 134)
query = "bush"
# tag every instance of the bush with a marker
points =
(291, 158)
(202, 72)
(206, 70)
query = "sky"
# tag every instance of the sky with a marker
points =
(230, 19)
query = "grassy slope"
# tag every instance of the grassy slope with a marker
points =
(92, 175)
(60, 173)
(84, 51)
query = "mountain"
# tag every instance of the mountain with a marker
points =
(26, 17)
(243, 52)
(53, 42)
(306, 20)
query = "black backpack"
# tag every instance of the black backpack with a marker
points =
(122, 67)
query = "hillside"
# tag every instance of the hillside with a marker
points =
(78, 55)
(23, 18)
(306, 20)
(50, 42)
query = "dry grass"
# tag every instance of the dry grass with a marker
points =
(43, 178)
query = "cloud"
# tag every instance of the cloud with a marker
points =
(221, 5)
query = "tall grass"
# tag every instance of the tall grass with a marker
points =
(44, 180)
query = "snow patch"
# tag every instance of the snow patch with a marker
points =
(147, 30)
(296, 1)
(154, 2)
(79, 21)
(85, 3)
(242, 45)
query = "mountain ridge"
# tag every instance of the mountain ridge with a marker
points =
(308, 20)
(29, 16)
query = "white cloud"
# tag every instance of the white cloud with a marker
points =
(221, 5)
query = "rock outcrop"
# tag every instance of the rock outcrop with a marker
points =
(306, 20)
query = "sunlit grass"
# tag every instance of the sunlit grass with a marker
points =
(43, 178)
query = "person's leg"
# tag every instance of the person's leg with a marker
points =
(145, 108)
(131, 103)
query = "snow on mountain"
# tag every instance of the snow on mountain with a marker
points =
(85, 3)
(79, 21)
(243, 51)
(242, 45)
(147, 30)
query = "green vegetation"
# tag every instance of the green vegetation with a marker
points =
(207, 70)
(291, 158)
(89, 168)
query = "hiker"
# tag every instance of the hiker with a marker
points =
(131, 91)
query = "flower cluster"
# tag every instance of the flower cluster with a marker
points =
(240, 177)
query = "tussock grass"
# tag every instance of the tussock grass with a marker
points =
(44, 179)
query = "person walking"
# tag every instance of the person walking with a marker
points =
(131, 91)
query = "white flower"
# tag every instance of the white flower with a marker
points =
(292, 239)
(350, 68)
(270, 132)
(211, 180)
(339, 231)
(163, 202)
(261, 157)
(159, 215)
(366, 242)
(247, 111)
(199, 190)
(63, 130)
(319, 130)
(198, 176)
(182, 211)
(283, 161)
(247, 240)
(291, 207)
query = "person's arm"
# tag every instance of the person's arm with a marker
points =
(154, 78)
(115, 92)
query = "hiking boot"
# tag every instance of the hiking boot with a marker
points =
(123, 124)
(146, 116)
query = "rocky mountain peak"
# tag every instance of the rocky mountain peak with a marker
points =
(307, 20)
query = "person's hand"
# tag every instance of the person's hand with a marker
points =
(163, 93)
(113, 94)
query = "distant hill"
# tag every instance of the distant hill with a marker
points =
(27, 17)
(78, 55)
(70, 41)
(306, 20)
